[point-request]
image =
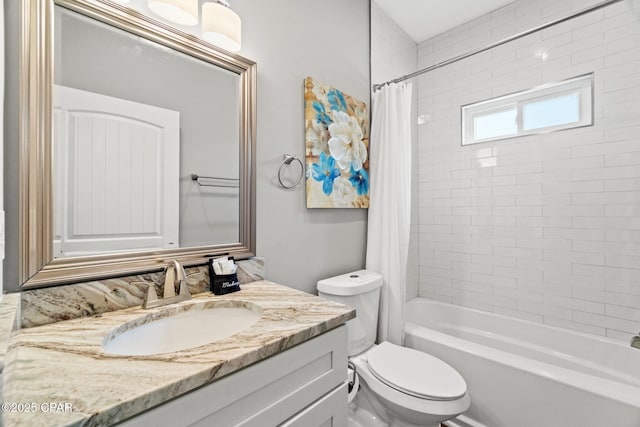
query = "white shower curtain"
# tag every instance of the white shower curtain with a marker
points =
(390, 204)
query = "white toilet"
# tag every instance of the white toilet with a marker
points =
(399, 386)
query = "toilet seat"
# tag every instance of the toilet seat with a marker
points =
(415, 373)
(396, 401)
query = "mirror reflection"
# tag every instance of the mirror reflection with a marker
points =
(134, 123)
(109, 186)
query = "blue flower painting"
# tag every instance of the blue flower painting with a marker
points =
(326, 172)
(337, 148)
(360, 180)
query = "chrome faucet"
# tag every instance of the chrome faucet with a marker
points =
(635, 341)
(173, 273)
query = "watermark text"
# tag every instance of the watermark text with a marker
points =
(47, 407)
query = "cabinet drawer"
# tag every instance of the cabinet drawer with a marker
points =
(264, 394)
(330, 411)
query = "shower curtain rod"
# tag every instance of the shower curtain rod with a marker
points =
(449, 61)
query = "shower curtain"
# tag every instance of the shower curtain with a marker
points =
(390, 204)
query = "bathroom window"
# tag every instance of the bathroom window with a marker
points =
(563, 105)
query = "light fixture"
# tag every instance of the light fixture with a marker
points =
(183, 12)
(221, 25)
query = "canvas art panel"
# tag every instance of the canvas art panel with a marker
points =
(337, 148)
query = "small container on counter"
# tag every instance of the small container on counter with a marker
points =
(223, 276)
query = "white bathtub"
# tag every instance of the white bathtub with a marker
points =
(525, 374)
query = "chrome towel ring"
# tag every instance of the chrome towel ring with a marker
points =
(288, 158)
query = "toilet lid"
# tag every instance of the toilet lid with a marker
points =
(415, 373)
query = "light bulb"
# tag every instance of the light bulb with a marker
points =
(183, 12)
(221, 26)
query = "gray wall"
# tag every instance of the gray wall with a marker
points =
(289, 40)
(1, 141)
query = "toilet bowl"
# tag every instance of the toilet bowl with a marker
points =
(406, 387)
(398, 386)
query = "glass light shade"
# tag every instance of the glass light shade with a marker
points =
(183, 12)
(221, 26)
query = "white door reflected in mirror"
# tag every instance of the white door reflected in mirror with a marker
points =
(116, 171)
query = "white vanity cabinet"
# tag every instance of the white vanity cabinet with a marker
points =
(303, 386)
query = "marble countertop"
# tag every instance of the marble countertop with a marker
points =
(8, 321)
(59, 375)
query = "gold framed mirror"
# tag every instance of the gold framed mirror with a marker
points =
(38, 265)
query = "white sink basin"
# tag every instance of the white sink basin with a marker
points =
(180, 328)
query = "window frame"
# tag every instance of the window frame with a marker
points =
(582, 85)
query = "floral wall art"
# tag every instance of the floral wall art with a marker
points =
(337, 148)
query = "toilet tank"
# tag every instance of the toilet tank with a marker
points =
(361, 290)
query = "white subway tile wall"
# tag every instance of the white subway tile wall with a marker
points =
(544, 227)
